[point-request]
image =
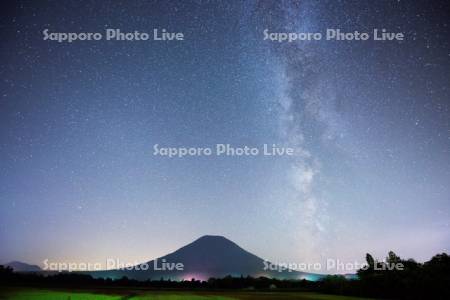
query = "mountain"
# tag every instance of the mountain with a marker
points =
(18, 266)
(206, 257)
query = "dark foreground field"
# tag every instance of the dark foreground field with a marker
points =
(47, 294)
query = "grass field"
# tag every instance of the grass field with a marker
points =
(40, 294)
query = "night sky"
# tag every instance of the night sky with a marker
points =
(370, 122)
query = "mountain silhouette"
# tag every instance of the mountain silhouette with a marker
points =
(18, 266)
(209, 256)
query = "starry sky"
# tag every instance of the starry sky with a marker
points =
(369, 120)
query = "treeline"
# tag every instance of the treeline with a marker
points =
(394, 278)
(77, 280)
